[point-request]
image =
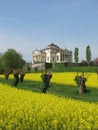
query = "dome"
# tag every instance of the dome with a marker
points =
(53, 46)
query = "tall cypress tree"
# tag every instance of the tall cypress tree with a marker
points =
(88, 54)
(76, 53)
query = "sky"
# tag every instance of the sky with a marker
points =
(27, 25)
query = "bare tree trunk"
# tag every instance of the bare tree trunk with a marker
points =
(81, 89)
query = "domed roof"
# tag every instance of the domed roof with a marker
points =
(52, 46)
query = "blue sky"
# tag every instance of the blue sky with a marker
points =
(27, 25)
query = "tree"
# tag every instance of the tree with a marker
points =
(80, 81)
(1, 68)
(76, 53)
(27, 67)
(88, 54)
(95, 62)
(12, 60)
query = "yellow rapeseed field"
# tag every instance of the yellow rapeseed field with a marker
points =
(27, 110)
(66, 78)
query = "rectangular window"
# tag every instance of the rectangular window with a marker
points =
(53, 59)
(60, 57)
(57, 58)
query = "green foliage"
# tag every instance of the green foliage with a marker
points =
(78, 80)
(12, 60)
(48, 65)
(36, 69)
(59, 66)
(88, 54)
(76, 53)
(79, 68)
(27, 67)
(1, 68)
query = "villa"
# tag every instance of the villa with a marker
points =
(51, 54)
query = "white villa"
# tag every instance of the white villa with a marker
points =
(51, 54)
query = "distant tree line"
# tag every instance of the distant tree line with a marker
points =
(13, 60)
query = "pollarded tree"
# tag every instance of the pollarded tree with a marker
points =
(88, 54)
(12, 60)
(76, 53)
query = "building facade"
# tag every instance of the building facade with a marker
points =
(52, 53)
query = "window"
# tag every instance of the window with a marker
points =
(63, 57)
(60, 57)
(57, 58)
(53, 59)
